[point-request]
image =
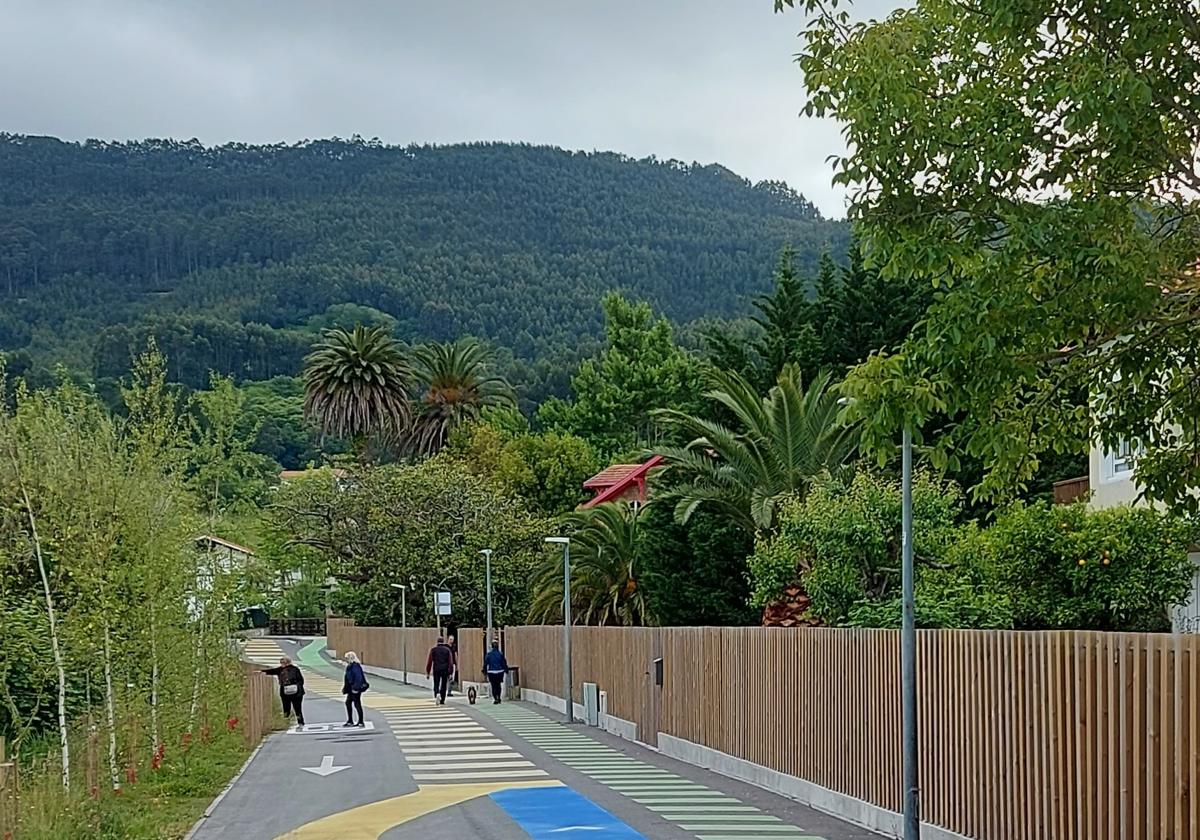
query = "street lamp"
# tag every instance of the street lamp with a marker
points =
(908, 645)
(908, 642)
(403, 628)
(568, 700)
(487, 554)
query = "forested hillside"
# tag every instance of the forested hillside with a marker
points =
(236, 256)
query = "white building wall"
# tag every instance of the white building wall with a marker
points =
(1112, 485)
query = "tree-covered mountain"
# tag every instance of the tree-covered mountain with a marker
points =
(235, 255)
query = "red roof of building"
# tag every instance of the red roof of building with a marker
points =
(622, 478)
(615, 474)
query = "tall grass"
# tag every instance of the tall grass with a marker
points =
(163, 788)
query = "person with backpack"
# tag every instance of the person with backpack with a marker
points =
(353, 685)
(495, 666)
(440, 665)
(291, 688)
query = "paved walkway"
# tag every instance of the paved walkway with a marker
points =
(507, 772)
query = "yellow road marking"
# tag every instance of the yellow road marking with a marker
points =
(369, 822)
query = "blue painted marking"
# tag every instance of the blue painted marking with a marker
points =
(559, 813)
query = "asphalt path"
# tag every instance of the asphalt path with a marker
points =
(508, 772)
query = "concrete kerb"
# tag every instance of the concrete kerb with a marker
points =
(840, 805)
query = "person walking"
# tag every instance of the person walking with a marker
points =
(291, 688)
(495, 666)
(452, 643)
(354, 683)
(440, 665)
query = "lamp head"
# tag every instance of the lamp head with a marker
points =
(558, 540)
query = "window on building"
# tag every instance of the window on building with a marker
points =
(1122, 458)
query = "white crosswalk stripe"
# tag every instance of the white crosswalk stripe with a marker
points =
(444, 746)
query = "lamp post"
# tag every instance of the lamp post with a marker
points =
(908, 643)
(487, 554)
(568, 700)
(908, 647)
(403, 628)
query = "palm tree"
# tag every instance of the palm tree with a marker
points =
(605, 570)
(457, 382)
(780, 443)
(356, 385)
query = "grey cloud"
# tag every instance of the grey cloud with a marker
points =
(690, 79)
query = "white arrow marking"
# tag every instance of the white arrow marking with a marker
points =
(577, 828)
(327, 768)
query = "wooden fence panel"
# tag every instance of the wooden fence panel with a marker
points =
(1024, 736)
(383, 647)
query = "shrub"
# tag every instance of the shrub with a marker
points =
(843, 542)
(1066, 567)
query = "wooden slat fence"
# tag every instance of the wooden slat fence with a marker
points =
(261, 708)
(9, 791)
(1024, 736)
(383, 647)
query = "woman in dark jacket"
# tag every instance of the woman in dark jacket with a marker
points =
(353, 686)
(291, 688)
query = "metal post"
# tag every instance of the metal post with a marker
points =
(403, 628)
(568, 700)
(908, 651)
(487, 553)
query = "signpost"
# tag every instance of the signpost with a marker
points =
(441, 606)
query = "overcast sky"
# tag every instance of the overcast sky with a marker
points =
(703, 80)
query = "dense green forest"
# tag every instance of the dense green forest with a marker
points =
(235, 257)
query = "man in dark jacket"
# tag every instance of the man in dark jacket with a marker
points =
(440, 665)
(495, 666)
(291, 688)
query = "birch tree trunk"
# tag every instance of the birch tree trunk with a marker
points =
(155, 736)
(110, 710)
(55, 647)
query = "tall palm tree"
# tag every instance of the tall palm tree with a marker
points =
(605, 571)
(356, 385)
(457, 382)
(778, 445)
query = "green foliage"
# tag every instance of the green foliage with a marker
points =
(694, 574)
(615, 395)
(98, 577)
(1066, 567)
(842, 541)
(420, 525)
(236, 256)
(779, 444)
(1034, 165)
(356, 386)
(546, 469)
(823, 323)
(224, 471)
(457, 383)
(607, 558)
(1036, 567)
(302, 599)
(284, 435)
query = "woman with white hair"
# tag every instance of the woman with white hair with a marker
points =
(353, 686)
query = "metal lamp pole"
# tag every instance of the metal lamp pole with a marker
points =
(487, 554)
(568, 699)
(908, 649)
(403, 628)
(908, 644)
